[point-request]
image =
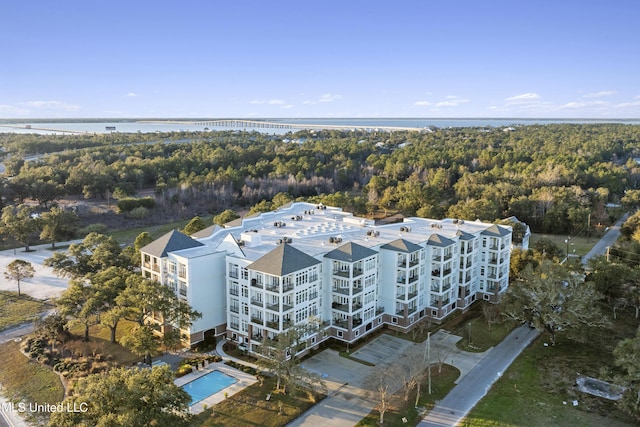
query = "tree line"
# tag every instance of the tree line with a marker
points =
(558, 178)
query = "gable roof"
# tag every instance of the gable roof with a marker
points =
(283, 260)
(496, 230)
(464, 235)
(401, 245)
(438, 240)
(170, 242)
(206, 232)
(350, 252)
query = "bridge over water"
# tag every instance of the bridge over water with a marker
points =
(266, 124)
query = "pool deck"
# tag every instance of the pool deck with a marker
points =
(244, 380)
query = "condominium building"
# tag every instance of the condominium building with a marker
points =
(306, 264)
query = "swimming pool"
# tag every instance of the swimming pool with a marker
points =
(207, 385)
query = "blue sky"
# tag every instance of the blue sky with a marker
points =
(306, 58)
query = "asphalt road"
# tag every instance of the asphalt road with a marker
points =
(475, 385)
(607, 240)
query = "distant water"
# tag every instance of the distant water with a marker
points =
(134, 126)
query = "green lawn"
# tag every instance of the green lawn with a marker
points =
(540, 383)
(27, 380)
(478, 336)
(250, 408)
(16, 309)
(127, 237)
(577, 245)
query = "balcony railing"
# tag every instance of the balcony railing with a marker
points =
(379, 310)
(234, 291)
(234, 309)
(257, 320)
(341, 323)
(257, 302)
(256, 284)
(273, 325)
(341, 307)
(345, 291)
(414, 262)
(287, 306)
(413, 278)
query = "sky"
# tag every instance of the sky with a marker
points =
(309, 58)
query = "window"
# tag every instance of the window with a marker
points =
(340, 334)
(172, 267)
(183, 289)
(394, 320)
(182, 270)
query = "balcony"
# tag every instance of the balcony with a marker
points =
(273, 325)
(348, 274)
(345, 291)
(413, 278)
(414, 262)
(257, 302)
(341, 323)
(256, 284)
(412, 310)
(273, 306)
(234, 309)
(413, 294)
(401, 279)
(448, 256)
(286, 306)
(341, 307)
(257, 320)
(234, 291)
(379, 310)
(357, 321)
(493, 261)
(287, 288)
(155, 267)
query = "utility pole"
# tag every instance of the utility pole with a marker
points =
(429, 356)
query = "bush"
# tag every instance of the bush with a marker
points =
(130, 203)
(94, 228)
(139, 213)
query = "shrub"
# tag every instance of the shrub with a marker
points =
(139, 213)
(130, 203)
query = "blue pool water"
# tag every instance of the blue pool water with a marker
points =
(207, 385)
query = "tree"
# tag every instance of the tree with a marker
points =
(126, 397)
(141, 341)
(52, 328)
(59, 225)
(79, 301)
(19, 223)
(550, 298)
(225, 217)
(18, 270)
(196, 224)
(627, 356)
(97, 252)
(278, 357)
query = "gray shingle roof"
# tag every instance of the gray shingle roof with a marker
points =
(438, 240)
(170, 242)
(401, 245)
(283, 260)
(350, 252)
(464, 235)
(206, 232)
(496, 230)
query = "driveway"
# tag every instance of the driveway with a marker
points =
(351, 385)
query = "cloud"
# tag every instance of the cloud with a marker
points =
(267, 102)
(581, 104)
(599, 94)
(329, 97)
(51, 105)
(524, 98)
(450, 101)
(132, 95)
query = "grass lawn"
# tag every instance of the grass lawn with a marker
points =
(542, 379)
(99, 339)
(16, 309)
(477, 336)
(127, 237)
(441, 384)
(578, 245)
(249, 408)
(25, 379)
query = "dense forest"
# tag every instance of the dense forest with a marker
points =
(558, 178)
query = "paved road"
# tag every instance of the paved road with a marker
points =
(473, 387)
(606, 241)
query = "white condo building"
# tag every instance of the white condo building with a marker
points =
(257, 276)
